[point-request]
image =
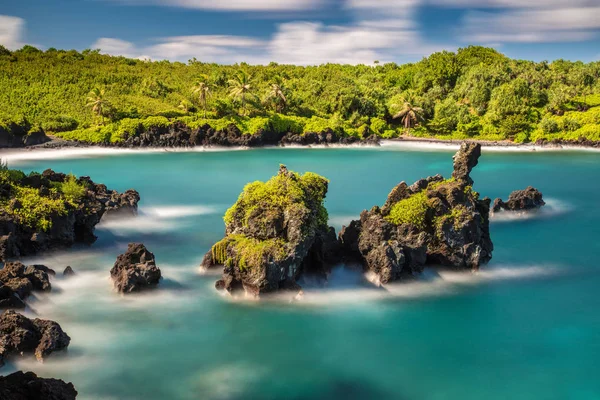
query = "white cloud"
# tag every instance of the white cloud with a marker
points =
(315, 43)
(532, 26)
(11, 32)
(232, 5)
(209, 48)
(304, 43)
(531, 4)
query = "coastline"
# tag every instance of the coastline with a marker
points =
(59, 148)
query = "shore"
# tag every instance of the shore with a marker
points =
(59, 148)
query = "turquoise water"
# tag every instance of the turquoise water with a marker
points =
(526, 327)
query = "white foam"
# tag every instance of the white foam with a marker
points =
(177, 211)
(22, 156)
(426, 145)
(154, 219)
(443, 283)
(341, 220)
(552, 208)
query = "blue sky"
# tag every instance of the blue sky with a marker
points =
(305, 31)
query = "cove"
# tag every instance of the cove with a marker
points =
(524, 327)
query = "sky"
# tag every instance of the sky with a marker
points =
(305, 32)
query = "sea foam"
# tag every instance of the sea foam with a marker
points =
(553, 208)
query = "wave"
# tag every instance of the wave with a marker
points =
(433, 145)
(552, 209)
(431, 283)
(338, 221)
(155, 219)
(25, 155)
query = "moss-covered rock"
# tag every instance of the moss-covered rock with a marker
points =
(276, 231)
(434, 221)
(52, 210)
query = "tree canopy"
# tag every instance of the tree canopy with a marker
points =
(475, 92)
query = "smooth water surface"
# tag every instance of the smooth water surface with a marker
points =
(526, 327)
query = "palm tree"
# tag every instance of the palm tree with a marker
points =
(239, 87)
(276, 94)
(202, 89)
(410, 115)
(98, 103)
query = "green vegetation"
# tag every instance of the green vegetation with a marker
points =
(412, 210)
(475, 93)
(249, 253)
(280, 193)
(35, 208)
(269, 217)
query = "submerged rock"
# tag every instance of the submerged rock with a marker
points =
(73, 222)
(275, 232)
(135, 270)
(68, 271)
(28, 386)
(520, 200)
(434, 221)
(19, 335)
(18, 281)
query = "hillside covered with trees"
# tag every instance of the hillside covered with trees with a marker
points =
(474, 93)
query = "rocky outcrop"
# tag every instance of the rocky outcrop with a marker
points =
(28, 386)
(18, 281)
(180, 135)
(68, 271)
(276, 232)
(135, 270)
(15, 135)
(520, 200)
(20, 335)
(434, 221)
(75, 225)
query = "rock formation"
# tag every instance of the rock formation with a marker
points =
(68, 271)
(520, 200)
(72, 222)
(19, 335)
(275, 232)
(180, 135)
(135, 270)
(28, 386)
(434, 221)
(18, 281)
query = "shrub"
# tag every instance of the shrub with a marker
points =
(570, 125)
(378, 126)
(61, 123)
(72, 189)
(549, 125)
(412, 210)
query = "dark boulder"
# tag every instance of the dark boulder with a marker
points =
(135, 270)
(432, 222)
(275, 233)
(20, 335)
(68, 271)
(28, 386)
(520, 200)
(18, 281)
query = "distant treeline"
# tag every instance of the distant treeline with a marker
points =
(474, 93)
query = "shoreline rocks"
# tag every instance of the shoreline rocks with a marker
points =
(20, 335)
(432, 222)
(135, 270)
(520, 200)
(27, 385)
(76, 225)
(276, 232)
(18, 281)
